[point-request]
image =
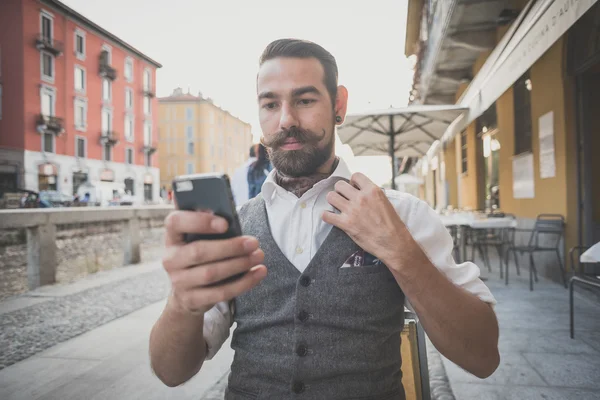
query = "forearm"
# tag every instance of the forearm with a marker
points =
(177, 346)
(461, 326)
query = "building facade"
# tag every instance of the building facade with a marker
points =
(77, 103)
(196, 136)
(527, 144)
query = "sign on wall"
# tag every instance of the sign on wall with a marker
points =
(523, 180)
(547, 156)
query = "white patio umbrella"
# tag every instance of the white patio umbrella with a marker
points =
(397, 132)
(407, 179)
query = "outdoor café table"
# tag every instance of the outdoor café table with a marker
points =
(464, 221)
(591, 255)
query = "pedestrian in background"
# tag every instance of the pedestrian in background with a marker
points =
(258, 172)
(239, 180)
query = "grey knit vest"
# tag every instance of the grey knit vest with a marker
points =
(326, 333)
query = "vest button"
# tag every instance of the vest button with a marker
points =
(298, 387)
(303, 316)
(305, 281)
(302, 350)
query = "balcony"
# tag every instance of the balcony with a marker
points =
(50, 45)
(50, 124)
(149, 149)
(110, 138)
(106, 71)
(148, 92)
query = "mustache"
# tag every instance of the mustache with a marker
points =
(301, 135)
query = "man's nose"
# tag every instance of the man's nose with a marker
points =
(288, 117)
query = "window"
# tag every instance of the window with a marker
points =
(212, 150)
(46, 27)
(80, 114)
(129, 128)
(147, 105)
(48, 142)
(190, 168)
(80, 147)
(190, 148)
(106, 90)
(106, 120)
(79, 79)
(522, 108)
(214, 168)
(147, 134)
(80, 44)
(129, 98)
(106, 48)
(147, 80)
(48, 101)
(47, 67)
(129, 155)
(189, 113)
(129, 69)
(148, 159)
(463, 151)
(107, 152)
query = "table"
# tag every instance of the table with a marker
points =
(591, 255)
(462, 221)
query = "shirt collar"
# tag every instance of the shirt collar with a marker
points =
(270, 186)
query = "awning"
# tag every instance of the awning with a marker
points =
(397, 132)
(538, 27)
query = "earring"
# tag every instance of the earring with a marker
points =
(338, 119)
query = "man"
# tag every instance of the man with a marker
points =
(341, 254)
(239, 180)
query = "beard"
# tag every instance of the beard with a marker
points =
(302, 162)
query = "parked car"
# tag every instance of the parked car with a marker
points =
(53, 198)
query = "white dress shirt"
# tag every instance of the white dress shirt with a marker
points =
(299, 231)
(239, 183)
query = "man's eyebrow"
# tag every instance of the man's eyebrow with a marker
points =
(267, 95)
(305, 90)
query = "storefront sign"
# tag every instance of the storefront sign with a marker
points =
(547, 157)
(47, 170)
(523, 180)
(107, 175)
(148, 179)
(547, 22)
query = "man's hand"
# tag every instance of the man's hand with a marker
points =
(193, 266)
(367, 216)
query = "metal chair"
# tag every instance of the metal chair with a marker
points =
(581, 279)
(546, 225)
(497, 238)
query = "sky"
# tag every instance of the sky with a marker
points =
(213, 47)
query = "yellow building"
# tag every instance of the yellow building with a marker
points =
(529, 74)
(197, 136)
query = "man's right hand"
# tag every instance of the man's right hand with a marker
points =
(193, 266)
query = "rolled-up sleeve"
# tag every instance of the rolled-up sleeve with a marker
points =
(427, 229)
(217, 323)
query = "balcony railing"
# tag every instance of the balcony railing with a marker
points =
(109, 137)
(149, 92)
(50, 45)
(106, 70)
(149, 149)
(50, 124)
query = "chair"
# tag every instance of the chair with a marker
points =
(415, 371)
(581, 279)
(546, 225)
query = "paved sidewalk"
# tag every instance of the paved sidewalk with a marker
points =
(538, 358)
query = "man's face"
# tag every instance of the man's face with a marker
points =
(296, 114)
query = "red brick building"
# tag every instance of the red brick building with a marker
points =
(76, 103)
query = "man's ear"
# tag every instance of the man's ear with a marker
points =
(341, 104)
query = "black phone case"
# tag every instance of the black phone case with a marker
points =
(208, 192)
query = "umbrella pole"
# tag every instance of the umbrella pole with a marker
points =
(392, 155)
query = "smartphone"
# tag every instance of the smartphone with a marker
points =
(211, 193)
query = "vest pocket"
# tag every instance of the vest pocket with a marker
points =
(234, 393)
(364, 269)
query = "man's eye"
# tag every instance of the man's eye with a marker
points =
(305, 102)
(270, 106)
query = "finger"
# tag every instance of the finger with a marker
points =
(361, 181)
(338, 201)
(334, 219)
(204, 275)
(346, 190)
(207, 251)
(200, 297)
(179, 222)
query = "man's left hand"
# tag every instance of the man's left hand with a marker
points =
(368, 217)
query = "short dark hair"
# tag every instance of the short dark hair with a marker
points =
(253, 150)
(297, 48)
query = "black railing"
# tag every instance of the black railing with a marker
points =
(149, 149)
(51, 124)
(53, 46)
(109, 137)
(106, 70)
(149, 92)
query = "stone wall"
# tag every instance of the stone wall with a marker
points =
(81, 249)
